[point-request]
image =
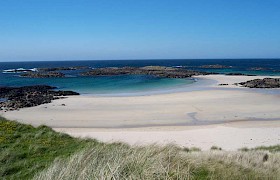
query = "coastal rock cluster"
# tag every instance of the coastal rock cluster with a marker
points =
(43, 74)
(215, 66)
(62, 68)
(262, 83)
(28, 96)
(158, 71)
(53, 72)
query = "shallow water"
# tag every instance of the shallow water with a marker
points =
(130, 84)
(102, 85)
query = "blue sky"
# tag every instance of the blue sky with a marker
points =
(146, 29)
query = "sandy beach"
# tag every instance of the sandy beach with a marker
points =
(231, 117)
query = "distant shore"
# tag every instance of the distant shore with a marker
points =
(186, 118)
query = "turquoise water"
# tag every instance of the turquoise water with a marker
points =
(109, 85)
(125, 84)
(104, 85)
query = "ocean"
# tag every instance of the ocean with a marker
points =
(131, 84)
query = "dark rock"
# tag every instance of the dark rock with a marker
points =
(28, 96)
(50, 72)
(43, 74)
(262, 83)
(62, 68)
(158, 71)
(215, 66)
(223, 84)
(64, 93)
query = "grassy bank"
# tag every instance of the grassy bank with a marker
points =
(26, 150)
(40, 153)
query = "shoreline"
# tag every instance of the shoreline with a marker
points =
(233, 114)
(201, 83)
(184, 108)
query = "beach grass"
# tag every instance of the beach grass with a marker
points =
(120, 161)
(41, 153)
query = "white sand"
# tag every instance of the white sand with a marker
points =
(98, 117)
(225, 136)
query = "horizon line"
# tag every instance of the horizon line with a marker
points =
(155, 59)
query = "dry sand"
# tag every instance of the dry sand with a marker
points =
(226, 136)
(228, 116)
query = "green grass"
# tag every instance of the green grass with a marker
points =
(25, 150)
(275, 148)
(41, 153)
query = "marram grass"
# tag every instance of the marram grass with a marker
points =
(119, 161)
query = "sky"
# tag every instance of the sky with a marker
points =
(36, 30)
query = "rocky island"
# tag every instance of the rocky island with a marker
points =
(215, 66)
(28, 96)
(158, 71)
(53, 72)
(262, 83)
(50, 74)
(73, 68)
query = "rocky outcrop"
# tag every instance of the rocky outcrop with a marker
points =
(62, 68)
(50, 74)
(28, 96)
(262, 83)
(46, 72)
(64, 93)
(158, 71)
(215, 66)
